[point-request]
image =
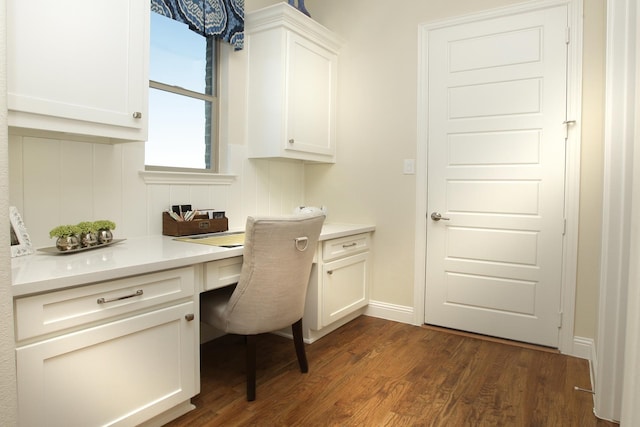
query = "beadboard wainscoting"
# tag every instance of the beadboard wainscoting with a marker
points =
(55, 181)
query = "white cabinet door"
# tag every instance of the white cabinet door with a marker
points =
(345, 286)
(120, 373)
(310, 97)
(78, 67)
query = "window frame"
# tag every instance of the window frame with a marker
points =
(214, 141)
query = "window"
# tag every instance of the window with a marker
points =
(182, 98)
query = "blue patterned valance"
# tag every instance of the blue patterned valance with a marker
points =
(223, 19)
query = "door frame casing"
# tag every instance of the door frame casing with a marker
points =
(572, 169)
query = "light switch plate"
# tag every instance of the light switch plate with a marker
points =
(409, 167)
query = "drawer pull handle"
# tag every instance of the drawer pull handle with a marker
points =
(135, 294)
(349, 245)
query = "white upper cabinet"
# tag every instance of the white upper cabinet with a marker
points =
(78, 67)
(292, 68)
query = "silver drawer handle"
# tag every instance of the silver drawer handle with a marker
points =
(349, 245)
(135, 294)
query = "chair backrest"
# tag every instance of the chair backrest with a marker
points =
(271, 291)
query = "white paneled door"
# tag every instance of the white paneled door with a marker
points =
(496, 159)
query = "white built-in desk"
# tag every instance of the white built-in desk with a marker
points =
(111, 335)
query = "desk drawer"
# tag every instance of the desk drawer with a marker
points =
(56, 311)
(218, 274)
(344, 246)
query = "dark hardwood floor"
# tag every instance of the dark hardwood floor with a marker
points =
(373, 372)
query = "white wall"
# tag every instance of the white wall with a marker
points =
(8, 399)
(630, 413)
(591, 168)
(619, 228)
(57, 182)
(377, 129)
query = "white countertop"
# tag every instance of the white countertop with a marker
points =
(43, 272)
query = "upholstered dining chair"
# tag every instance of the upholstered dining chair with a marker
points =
(270, 294)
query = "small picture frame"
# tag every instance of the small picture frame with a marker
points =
(20, 241)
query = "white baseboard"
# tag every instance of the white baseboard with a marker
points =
(396, 313)
(583, 348)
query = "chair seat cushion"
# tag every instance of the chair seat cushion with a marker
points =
(212, 307)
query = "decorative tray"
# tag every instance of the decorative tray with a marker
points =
(55, 251)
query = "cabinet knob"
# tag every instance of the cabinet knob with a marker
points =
(330, 272)
(137, 115)
(291, 141)
(189, 317)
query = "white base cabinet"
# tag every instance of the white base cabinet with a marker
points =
(339, 285)
(345, 287)
(128, 364)
(120, 373)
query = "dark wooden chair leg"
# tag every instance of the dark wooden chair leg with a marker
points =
(251, 367)
(298, 341)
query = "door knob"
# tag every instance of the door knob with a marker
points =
(437, 217)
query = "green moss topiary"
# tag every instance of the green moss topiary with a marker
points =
(104, 224)
(87, 227)
(64, 231)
